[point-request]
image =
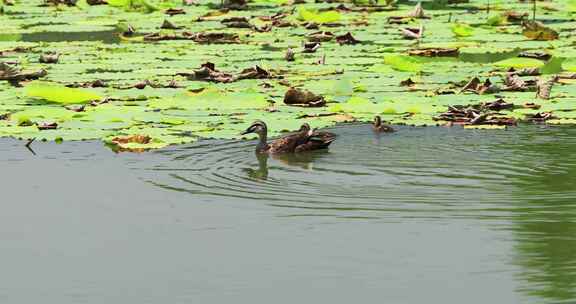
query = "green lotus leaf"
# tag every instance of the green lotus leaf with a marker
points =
(519, 63)
(462, 30)
(403, 63)
(60, 94)
(314, 16)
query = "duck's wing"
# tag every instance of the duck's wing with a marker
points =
(316, 141)
(288, 144)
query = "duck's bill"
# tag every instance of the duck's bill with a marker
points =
(246, 132)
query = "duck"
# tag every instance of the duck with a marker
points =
(305, 139)
(379, 127)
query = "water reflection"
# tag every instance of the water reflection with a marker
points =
(407, 175)
(544, 224)
(261, 173)
(519, 180)
(302, 161)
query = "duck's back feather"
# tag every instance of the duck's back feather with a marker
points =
(288, 143)
(316, 141)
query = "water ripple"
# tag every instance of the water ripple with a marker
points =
(446, 172)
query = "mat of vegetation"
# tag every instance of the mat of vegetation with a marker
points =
(143, 74)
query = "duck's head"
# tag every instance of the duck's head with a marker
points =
(258, 127)
(377, 121)
(304, 127)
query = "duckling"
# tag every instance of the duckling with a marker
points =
(305, 139)
(379, 127)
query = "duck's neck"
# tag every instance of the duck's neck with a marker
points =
(263, 142)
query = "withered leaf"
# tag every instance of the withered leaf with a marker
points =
(435, 52)
(322, 36)
(49, 58)
(289, 56)
(303, 98)
(47, 125)
(174, 11)
(311, 47)
(169, 25)
(535, 30)
(480, 88)
(544, 87)
(139, 139)
(412, 32)
(346, 39)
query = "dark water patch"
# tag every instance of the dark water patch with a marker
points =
(31, 25)
(110, 36)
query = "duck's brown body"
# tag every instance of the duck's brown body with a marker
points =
(303, 140)
(379, 127)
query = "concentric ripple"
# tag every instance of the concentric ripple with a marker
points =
(415, 172)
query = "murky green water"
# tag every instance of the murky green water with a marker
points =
(426, 215)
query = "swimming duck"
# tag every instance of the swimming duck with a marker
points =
(379, 127)
(305, 139)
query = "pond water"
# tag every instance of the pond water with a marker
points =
(425, 215)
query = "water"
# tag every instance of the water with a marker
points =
(425, 215)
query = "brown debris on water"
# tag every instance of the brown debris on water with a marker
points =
(15, 75)
(539, 117)
(536, 30)
(174, 11)
(514, 17)
(168, 25)
(201, 37)
(46, 125)
(49, 58)
(416, 13)
(58, 2)
(96, 2)
(289, 56)
(278, 20)
(412, 32)
(321, 36)
(208, 72)
(435, 52)
(162, 37)
(540, 55)
(544, 87)
(480, 88)
(311, 47)
(215, 37)
(303, 98)
(254, 72)
(75, 108)
(525, 72)
(311, 25)
(236, 22)
(407, 83)
(497, 105)
(140, 139)
(513, 82)
(347, 39)
(234, 4)
(531, 105)
(120, 142)
(479, 114)
(89, 84)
